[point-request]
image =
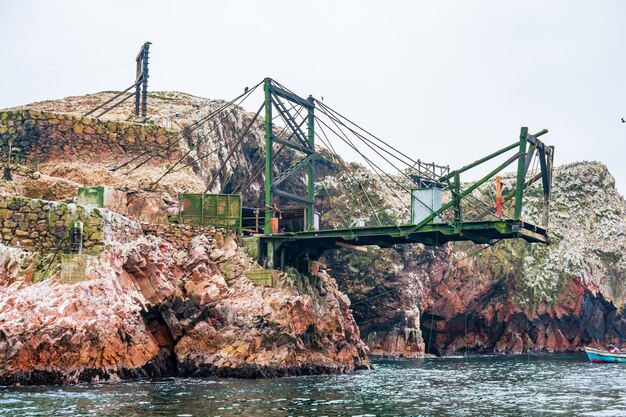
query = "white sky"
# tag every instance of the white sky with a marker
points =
(447, 81)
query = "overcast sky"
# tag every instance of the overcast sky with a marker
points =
(447, 81)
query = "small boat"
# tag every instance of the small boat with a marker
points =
(601, 356)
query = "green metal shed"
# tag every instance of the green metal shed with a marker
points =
(219, 210)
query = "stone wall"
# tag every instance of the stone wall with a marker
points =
(40, 135)
(44, 225)
(180, 235)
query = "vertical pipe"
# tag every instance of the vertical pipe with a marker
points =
(282, 258)
(519, 186)
(202, 209)
(268, 169)
(499, 199)
(412, 207)
(546, 196)
(180, 209)
(546, 187)
(268, 153)
(457, 201)
(144, 98)
(546, 210)
(311, 171)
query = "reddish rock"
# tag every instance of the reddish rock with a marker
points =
(150, 308)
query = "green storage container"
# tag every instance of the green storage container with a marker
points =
(219, 210)
(91, 196)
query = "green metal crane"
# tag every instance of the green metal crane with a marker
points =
(297, 249)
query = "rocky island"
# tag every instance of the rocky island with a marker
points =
(150, 298)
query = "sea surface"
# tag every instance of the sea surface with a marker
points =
(543, 385)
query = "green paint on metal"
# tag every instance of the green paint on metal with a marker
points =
(398, 234)
(218, 210)
(480, 161)
(91, 196)
(291, 246)
(310, 212)
(500, 227)
(456, 196)
(274, 96)
(425, 231)
(268, 152)
(465, 193)
(519, 186)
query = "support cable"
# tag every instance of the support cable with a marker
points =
(335, 115)
(260, 171)
(202, 139)
(326, 109)
(372, 165)
(369, 162)
(232, 151)
(348, 222)
(177, 139)
(375, 168)
(110, 100)
(191, 128)
(118, 103)
(369, 142)
(259, 167)
(198, 143)
(329, 146)
(201, 157)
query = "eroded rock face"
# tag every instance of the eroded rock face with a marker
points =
(161, 304)
(384, 296)
(54, 333)
(274, 333)
(508, 298)
(153, 308)
(204, 317)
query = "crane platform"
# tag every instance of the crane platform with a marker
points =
(291, 248)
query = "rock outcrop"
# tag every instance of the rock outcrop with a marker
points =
(145, 298)
(508, 298)
(169, 300)
(159, 307)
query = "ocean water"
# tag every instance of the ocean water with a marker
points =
(535, 385)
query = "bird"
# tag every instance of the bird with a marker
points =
(246, 90)
(623, 121)
(322, 98)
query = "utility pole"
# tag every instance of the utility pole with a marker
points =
(141, 80)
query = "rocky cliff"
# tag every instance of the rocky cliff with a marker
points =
(507, 298)
(185, 302)
(159, 307)
(145, 298)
